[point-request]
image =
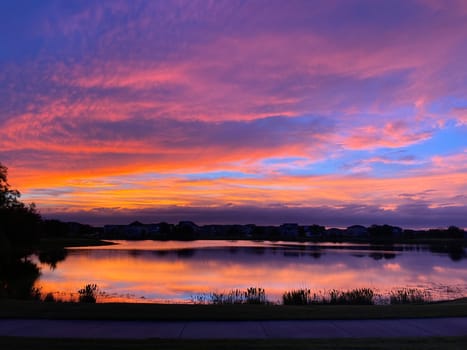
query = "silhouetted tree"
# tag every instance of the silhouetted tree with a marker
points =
(19, 223)
(19, 231)
(164, 227)
(17, 278)
(258, 232)
(380, 232)
(9, 198)
(54, 228)
(185, 230)
(52, 257)
(137, 224)
(455, 232)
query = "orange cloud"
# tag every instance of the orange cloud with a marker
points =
(118, 108)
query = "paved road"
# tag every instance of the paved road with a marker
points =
(233, 329)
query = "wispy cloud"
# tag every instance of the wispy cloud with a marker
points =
(302, 103)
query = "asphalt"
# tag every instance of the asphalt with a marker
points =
(426, 327)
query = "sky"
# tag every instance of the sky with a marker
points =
(328, 112)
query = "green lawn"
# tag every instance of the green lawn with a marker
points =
(173, 312)
(432, 343)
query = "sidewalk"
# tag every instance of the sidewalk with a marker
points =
(426, 327)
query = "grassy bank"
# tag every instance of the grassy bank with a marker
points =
(60, 242)
(428, 343)
(173, 312)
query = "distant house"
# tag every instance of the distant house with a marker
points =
(397, 231)
(215, 230)
(135, 230)
(75, 229)
(247, 230)
(314, 231)
(185, 228)
(153, 230)
(357, 231)
(289, 230)
(335, 232)
(113, 231)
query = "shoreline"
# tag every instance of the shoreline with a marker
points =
(10, 308)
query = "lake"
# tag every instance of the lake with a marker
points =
(174, 271)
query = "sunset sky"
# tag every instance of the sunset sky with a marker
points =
(328, 112)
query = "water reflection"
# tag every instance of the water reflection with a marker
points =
(52, 257)
(176, 271)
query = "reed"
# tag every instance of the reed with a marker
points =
(252, 295)
(297, 297)
(88, 294)
(409, 296)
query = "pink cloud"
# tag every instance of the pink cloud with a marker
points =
(450, 163)
(174, 88)
(392, 134)
(392, 267)
(461, 116)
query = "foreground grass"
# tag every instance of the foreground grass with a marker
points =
(178, 312)
(445, 343)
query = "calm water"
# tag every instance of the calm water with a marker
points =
(177, 271)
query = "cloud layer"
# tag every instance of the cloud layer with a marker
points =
(159, 106)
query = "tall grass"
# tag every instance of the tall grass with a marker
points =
(252, 295)
(303, 296)
(359, 296)
(409, 296)
(255, 296)
(88, 294)
(297, 297)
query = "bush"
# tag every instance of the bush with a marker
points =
(409, 296)
(17, 279)
(49, 298)
(88, 294)
(36, 293)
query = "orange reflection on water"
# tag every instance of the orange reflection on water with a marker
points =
(178, 271)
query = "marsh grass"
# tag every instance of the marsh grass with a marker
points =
(88, 294)
(409, 296)
(297, 297)
(252, 295)
(256, 295)
(359, 296)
